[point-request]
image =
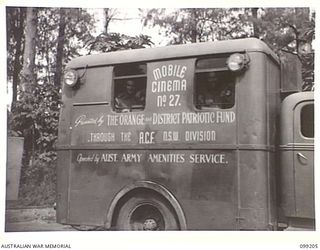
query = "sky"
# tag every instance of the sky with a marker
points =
(127, 21)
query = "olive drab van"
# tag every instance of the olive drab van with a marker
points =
(184, 137)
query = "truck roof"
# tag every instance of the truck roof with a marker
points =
(287, 114)
(291, 101)
(173, 52)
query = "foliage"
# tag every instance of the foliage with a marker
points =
(79, 25)
(283, 29)
(15, 49)
(35, 116)
(35, 113)
(15, 20)
(115, 41)
(38, 183)
(196, 25)
(289, 30)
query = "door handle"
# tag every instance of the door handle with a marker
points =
(302, 159)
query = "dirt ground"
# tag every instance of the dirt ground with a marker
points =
(33, 219)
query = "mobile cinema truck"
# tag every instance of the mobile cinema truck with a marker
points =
(169, 160)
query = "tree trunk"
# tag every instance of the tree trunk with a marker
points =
(18, 52)
(28, 77)
(108, 16)
(61, 40)
(256, 32)
(193, 31)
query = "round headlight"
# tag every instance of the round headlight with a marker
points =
(70, 77)
(237, 62)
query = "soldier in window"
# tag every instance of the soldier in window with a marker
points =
(214, 92)
(130, 98)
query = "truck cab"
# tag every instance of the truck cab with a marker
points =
(297, 161)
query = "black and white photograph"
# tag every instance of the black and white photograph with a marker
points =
(196, 122)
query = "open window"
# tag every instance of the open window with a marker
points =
(214, 84)
(130, 81)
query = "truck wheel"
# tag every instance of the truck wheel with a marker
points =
(146, 212)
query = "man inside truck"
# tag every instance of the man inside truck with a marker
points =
(130, 98)
(213, 91)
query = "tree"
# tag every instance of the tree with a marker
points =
(35, 113)
(180, 25)
(290, 30)
(111, 41)
(60, 44)
(15, 26)
(196, 25)
(115, 41)
(283, 29)
(28, 77)
(109, 14)
(61, 34)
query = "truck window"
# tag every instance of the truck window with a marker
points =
(307, 121)
(130, 82)
(214, 84)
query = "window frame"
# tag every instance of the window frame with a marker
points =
(220, 69)
(128, 77)
(301, 121)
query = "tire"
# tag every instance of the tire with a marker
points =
(148, 212)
